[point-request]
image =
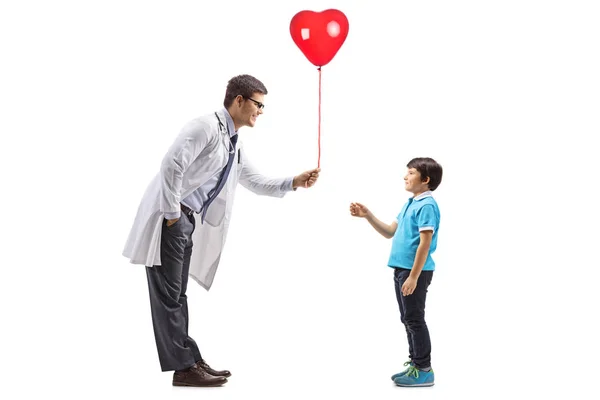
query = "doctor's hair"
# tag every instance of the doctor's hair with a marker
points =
(242, 85)
(428, 168)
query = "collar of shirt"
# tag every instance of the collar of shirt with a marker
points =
(230, 126)
(428, 193)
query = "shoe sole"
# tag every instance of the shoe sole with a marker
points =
(192, 385)
(417, 385)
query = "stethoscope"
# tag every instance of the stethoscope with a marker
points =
(225, 133)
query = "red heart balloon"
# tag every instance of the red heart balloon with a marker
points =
(319, 35)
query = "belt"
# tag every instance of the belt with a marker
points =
(186, 210)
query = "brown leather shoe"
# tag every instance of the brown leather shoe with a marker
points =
(203, 365)
(194, 376)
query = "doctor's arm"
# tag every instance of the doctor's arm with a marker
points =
(186, 148)
(260, 184)
(253, 180)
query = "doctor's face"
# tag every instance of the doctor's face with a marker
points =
(251, 108)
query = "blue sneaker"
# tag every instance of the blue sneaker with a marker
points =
(399, 374)
(415, 377)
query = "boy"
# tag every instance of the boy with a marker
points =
(414, 236)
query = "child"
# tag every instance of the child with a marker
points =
(414, 236)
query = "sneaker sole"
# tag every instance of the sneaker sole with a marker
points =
(416, 385)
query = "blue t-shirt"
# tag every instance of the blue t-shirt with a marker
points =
(418, 214)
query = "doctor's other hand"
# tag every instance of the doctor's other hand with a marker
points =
(306, 179)
(172, 221)
(358, 210)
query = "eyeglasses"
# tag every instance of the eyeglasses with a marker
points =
(258, 103)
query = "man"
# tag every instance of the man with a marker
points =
(198, 175)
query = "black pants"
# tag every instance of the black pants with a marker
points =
(412, 315)
(167, 285)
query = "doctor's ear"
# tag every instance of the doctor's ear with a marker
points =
(239, 100)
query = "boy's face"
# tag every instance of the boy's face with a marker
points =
(413, 182)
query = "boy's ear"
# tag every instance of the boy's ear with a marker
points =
(426, 180)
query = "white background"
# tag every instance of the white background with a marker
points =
(504, 94)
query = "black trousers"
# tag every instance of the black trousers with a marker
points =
(167, 285)
(412, 315)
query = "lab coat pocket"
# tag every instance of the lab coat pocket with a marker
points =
(216, 212)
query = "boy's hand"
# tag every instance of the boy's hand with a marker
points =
(358, 210)
(409, 286)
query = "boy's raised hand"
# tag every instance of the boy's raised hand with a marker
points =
(358, 210)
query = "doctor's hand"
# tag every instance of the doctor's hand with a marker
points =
(172, 221)
(358, 210)
(306, 179)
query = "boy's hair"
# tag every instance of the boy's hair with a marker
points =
(428, 168)
(244, 85)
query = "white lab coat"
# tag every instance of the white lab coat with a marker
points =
(199, 151)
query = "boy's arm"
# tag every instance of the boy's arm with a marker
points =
(411, 282)
(422, 251)
(387, 231)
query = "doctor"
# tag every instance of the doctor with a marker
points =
(198, 175)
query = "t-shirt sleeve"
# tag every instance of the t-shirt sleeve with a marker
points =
(427, 219)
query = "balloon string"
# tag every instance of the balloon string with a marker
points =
(319, 161)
